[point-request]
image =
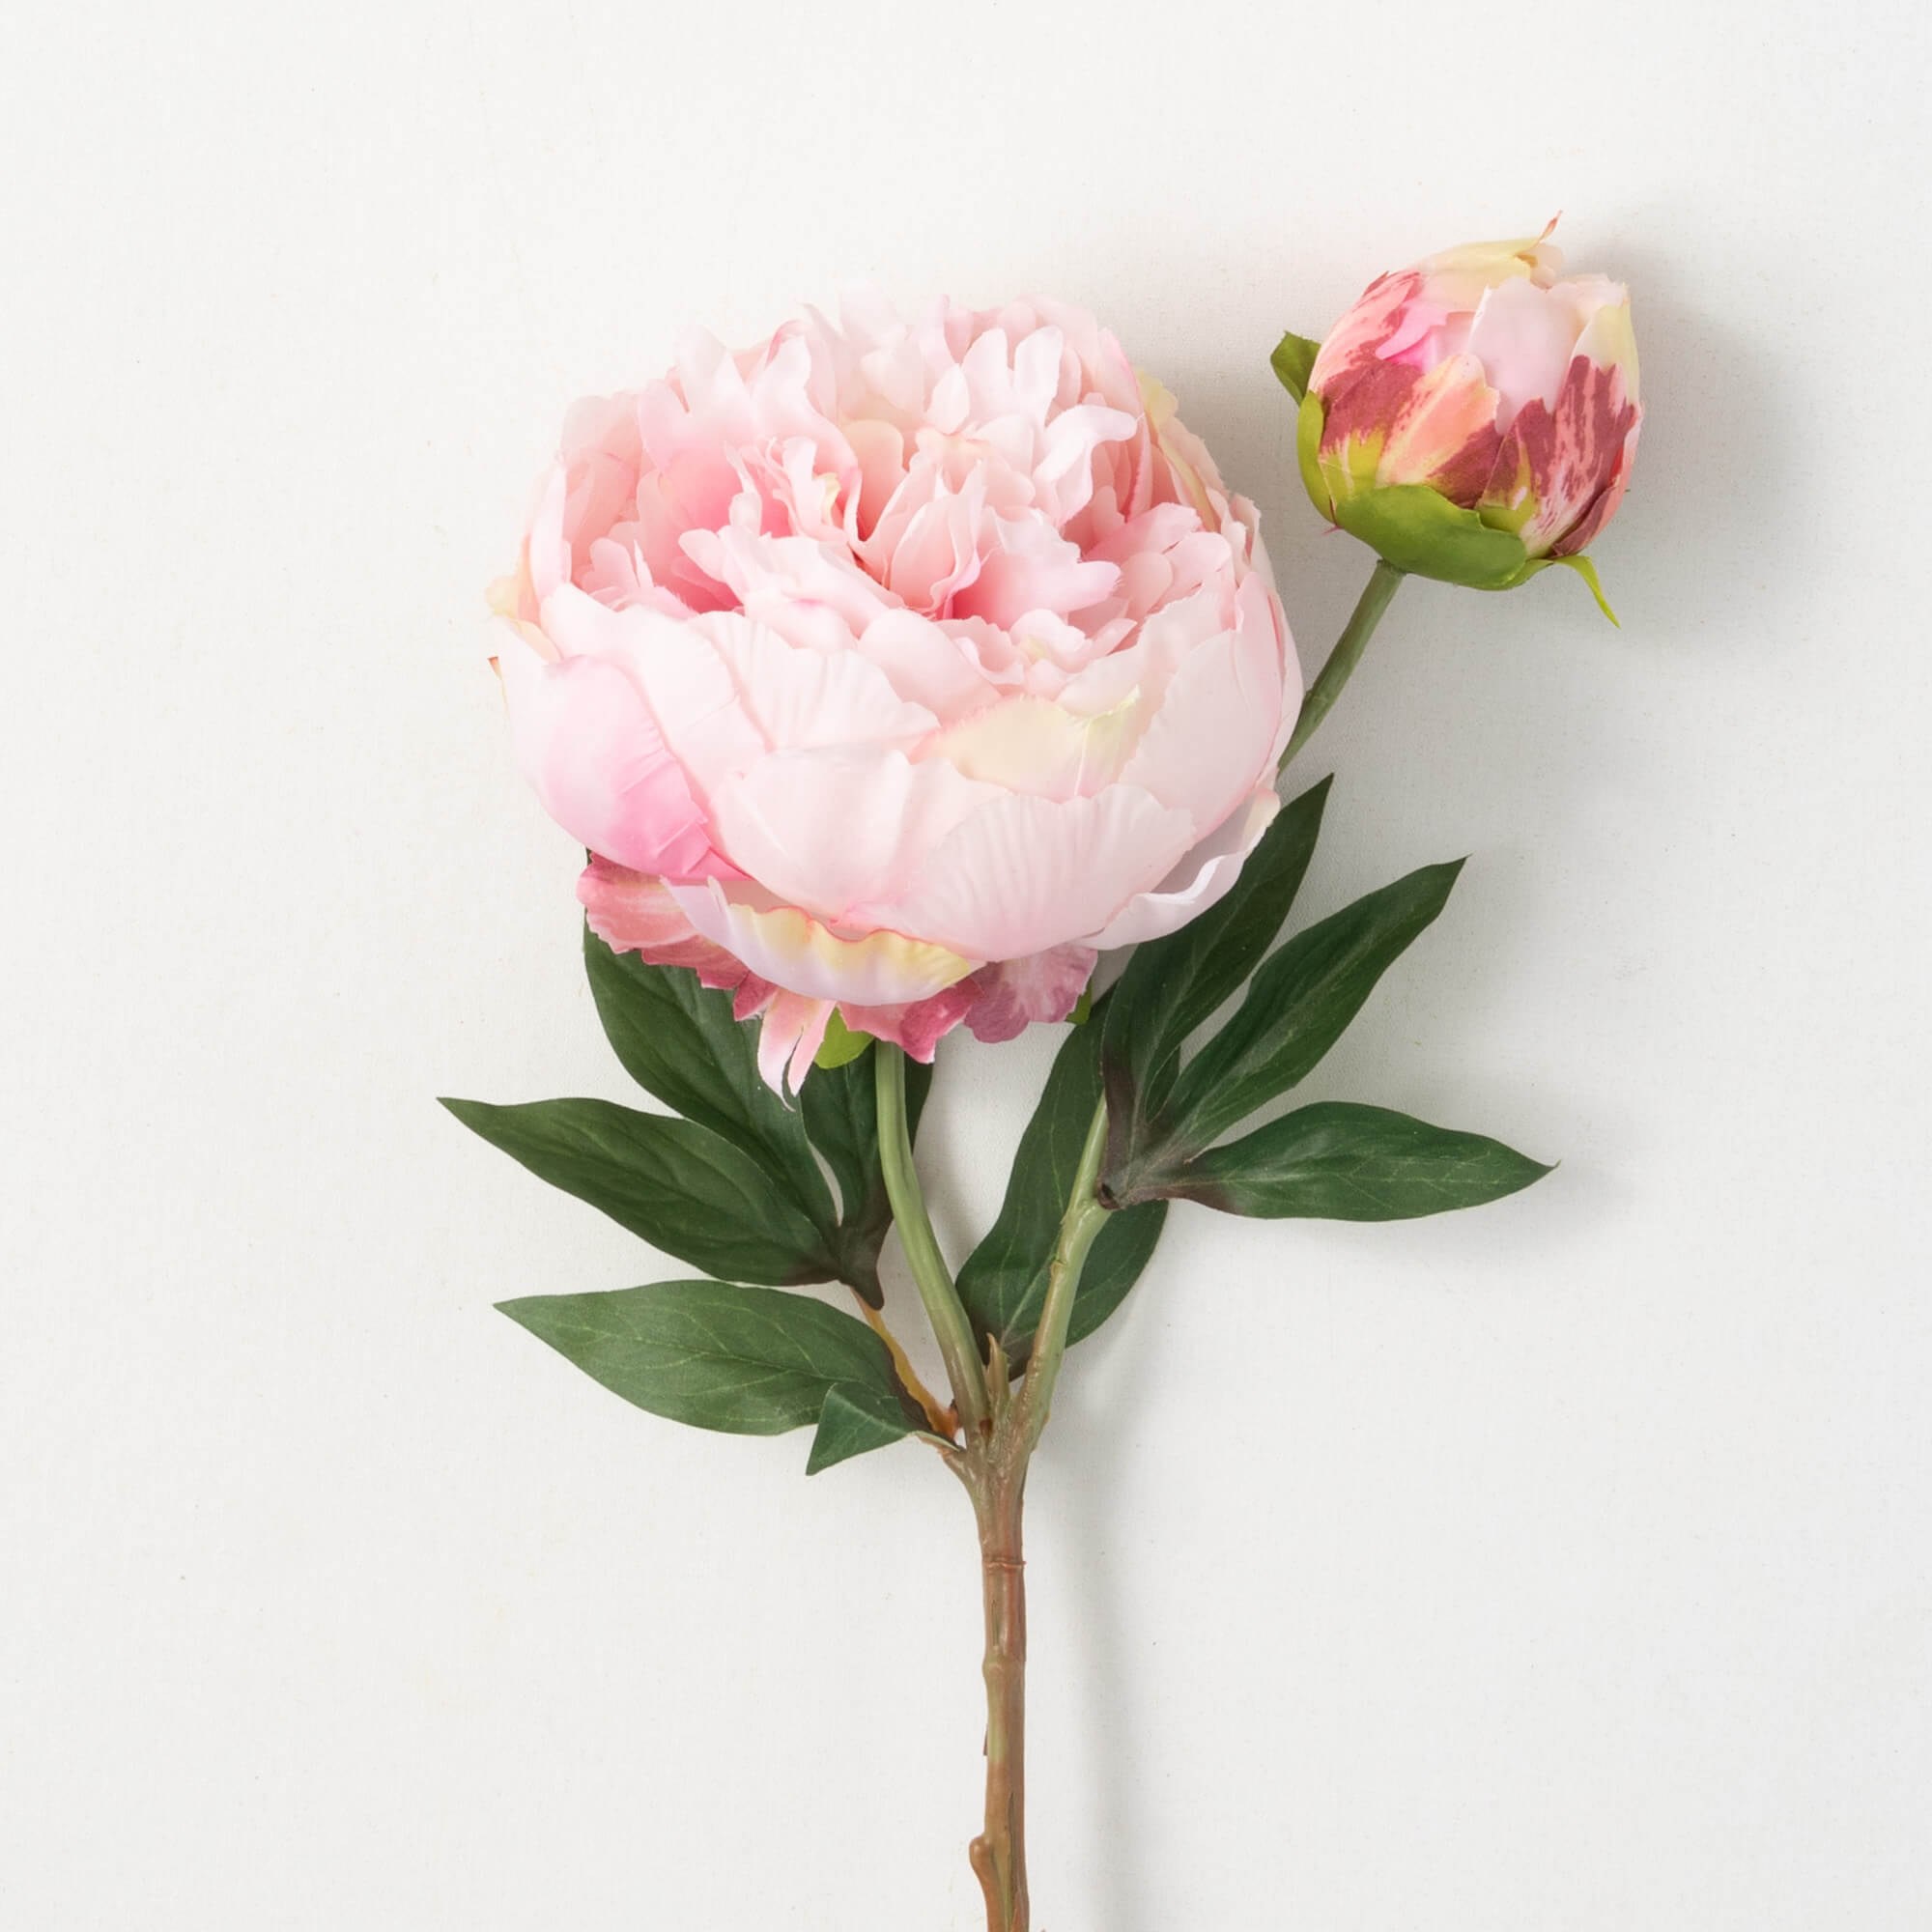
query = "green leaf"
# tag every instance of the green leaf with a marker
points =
(1348, 1163)
(1292, 358)
(1172, 985)
(751, 1360)
(1002, 1283)
(678, 1039)
(840, 1109)
(856, 1417)
(1296, 1007)
(678, 1185)
(1419, 530)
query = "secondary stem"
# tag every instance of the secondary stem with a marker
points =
(943, 1309)
(1383, 582)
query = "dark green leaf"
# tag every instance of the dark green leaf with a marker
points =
(1292, 358)
(1172, 985)
(840, 1109)
(1348, 1163)
(1003, 1281)
(680, 1186)
(751, 1360)
(1296, 1007)
(856, 1417)
(678, 1039)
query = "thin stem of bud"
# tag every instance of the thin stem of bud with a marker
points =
(1328, 684)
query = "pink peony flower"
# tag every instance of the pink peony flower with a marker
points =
(897, 667)
(1475, 417)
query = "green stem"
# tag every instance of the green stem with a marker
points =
(1083, 1221)
(1327, 687)
(942, 1308)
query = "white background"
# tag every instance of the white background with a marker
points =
(1561, 1565)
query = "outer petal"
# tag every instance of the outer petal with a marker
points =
(827, 829)
(1209, 745)
(1445, 433)
(634, 914)
(1200, 878)
(1047, 986)
(793, 951)
(919, 1027)
(692, 699)
(1524, 338)
(589, 744)
(1024, 874)
(791, 1032)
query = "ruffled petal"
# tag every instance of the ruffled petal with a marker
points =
(589, 747)
(1210, 743)
(1195, 882)
(826, 829)
(631, 913)
(780, 944)
(1046, 986)
(1024, 874)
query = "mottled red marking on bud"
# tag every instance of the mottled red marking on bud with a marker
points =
(1365, 401)
(1573, 455)
(1604, 505)
(1435, 427)
(1354, 343)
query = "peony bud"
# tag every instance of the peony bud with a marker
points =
(1473, 417)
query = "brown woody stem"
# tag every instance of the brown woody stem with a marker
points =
(999, 1853)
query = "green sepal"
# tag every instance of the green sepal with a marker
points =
(1082, 1007)
(856, 1417)
(1420, 530)
(1588, 571)
(1292, 358)
(841, 1045)
(1309, 422)
(1340, 1162)
(753, 1361)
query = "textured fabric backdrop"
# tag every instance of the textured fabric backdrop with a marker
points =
(1562, 1564)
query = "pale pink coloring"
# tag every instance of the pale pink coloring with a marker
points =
(1484, 374)
(897, 667)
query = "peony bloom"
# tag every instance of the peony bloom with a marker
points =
(897, 668)
(1474, 417)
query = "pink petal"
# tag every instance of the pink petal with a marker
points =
(1012, 995)
(1195, 882)
(1524, 336)
(587, 743)
(790, 1033)
(919, 1026)
(791, 949)
(1024, 874)
(634, 914)
(1209, 745)
(824, 829)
